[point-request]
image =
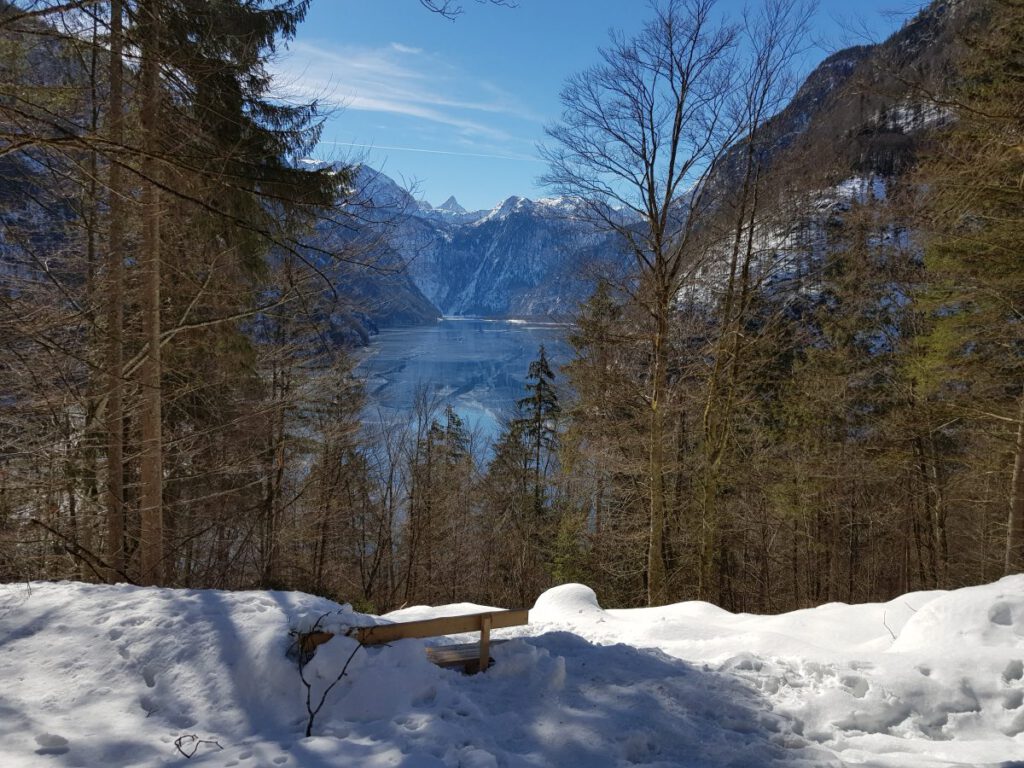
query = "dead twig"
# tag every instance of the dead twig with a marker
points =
(91, 559)
(303, 661)
(193, 742)
(886, 625)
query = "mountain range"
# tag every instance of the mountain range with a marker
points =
(522, 258)
(859, 114)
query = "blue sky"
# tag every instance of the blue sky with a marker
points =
(458, 108)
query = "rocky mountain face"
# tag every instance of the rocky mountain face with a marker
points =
(522, 258)
(864, 110)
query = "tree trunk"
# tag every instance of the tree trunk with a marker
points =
(114, 498)
(723, 382)
(151, 544)
(88, 487)
(795, 563)
(1015, 519)
(656, 575)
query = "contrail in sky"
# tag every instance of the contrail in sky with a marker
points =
(433, 151)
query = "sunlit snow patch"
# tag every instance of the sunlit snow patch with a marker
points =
(97, 675)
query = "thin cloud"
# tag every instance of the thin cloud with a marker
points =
(326, 93)
(516, 158)
(406, 49)
(399, 79)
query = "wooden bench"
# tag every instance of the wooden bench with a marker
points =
(472, 657)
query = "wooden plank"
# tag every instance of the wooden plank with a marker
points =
(453, 654)
(485, 642)
(466, 654)
(309, 641)
(446, 625)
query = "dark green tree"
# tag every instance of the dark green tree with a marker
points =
(972, 355)
(537, 421)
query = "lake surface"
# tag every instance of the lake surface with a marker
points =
(479, 366)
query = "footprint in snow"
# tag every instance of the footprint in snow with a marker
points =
(51, 744)
(1016, 727)
(1013, 699)
(148, 705)
(1014, 671)
(856, 685)
(1001, 613)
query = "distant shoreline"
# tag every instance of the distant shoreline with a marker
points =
(511, 320)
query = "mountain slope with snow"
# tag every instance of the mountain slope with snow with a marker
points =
(523, 258)
(117, 675)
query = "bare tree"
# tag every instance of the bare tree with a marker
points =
(450, 9)
(746, 218)
(664, 143)
(641, 134)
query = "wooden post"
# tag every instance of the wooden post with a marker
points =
(485, 641)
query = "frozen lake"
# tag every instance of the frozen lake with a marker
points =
(479, 366)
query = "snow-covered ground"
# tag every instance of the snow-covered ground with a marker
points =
(97, 676)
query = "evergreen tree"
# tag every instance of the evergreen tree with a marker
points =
(538, 425)
(602, 456)
(974, 208)
(438, 531)
(515, 563)
(220, 147)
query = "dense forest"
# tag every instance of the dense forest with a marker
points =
(801, 382)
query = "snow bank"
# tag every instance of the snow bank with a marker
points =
(968, 620)
(97, 676)
(566, 603)
(112, 675)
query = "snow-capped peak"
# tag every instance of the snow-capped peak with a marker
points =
(507, 207)
(555, 202)
(451, 205)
